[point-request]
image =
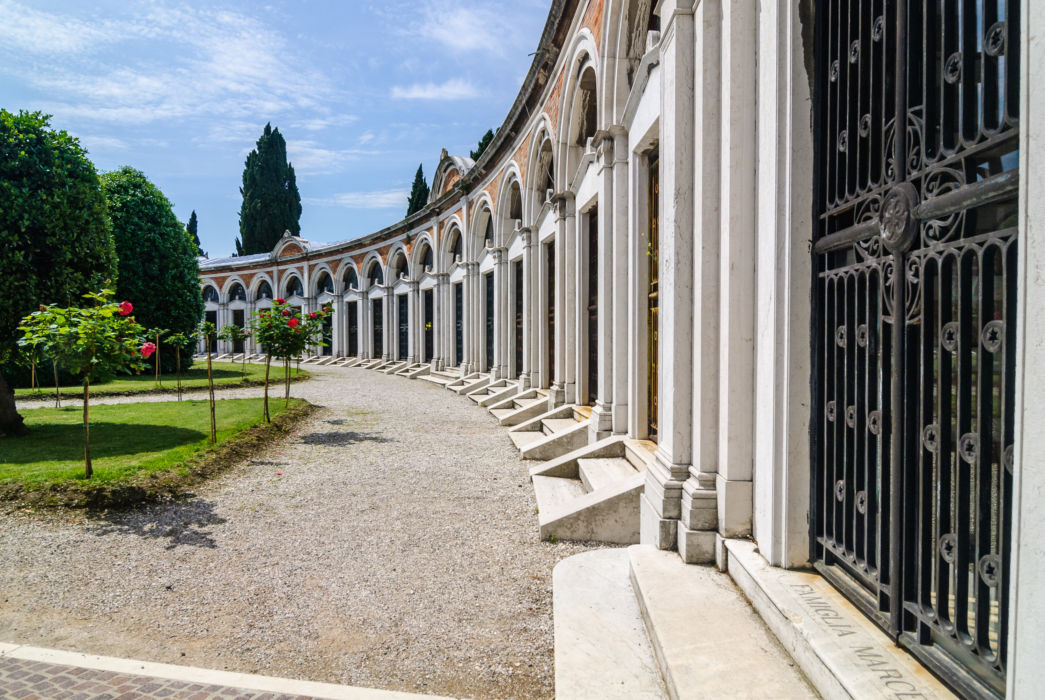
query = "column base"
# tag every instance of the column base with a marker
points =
(654, 530)
(696, 546)
(556, 396)
(620, 419)
(734, 507)
(524, 381)
(699, 507)
(601, 422)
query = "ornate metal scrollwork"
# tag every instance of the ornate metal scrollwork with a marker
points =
(931, 437)
(840, 336)
(874, 422)
(865, 125)
(854, 51)
(952, 69)
(969, 447)
(949, 547)
(861, 502)
(993, 336)
(878, 31)
(831, 411)
(843, 140)
(850, 416)
(833, 72)
(949, 336)
(994, 41)
(862, 335)
(1007, 459)
(840, 490)
(938, 182)
(990, 569)
(897, 225)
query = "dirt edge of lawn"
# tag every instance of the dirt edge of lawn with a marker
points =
(160, 485)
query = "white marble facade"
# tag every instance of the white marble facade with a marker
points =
(497, 272)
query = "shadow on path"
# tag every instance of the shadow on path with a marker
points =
(343, 439)
(182, 523)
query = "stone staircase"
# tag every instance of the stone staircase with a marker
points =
(442, 377)
(495, 392)
(553, 433)
(520, 407)
(593, 492)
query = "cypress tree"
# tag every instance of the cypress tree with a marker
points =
(483, 143)
(191, 228)
(271, 203)
(418, 193)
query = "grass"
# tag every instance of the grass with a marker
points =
(144, 451)
(226, 375)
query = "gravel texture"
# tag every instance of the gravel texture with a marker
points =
(390, 542)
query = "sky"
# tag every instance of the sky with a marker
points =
(362, 91)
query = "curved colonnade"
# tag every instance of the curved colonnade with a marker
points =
(678, 258)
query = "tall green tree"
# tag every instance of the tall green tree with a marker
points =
(158, 270)
(191, 227)
(54, 232)
(271, 203)
(483, 143)
(418, 193)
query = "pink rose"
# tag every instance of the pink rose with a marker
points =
(126, 307)
(148, 349)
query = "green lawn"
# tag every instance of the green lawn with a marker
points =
(127, 440)
(226, 375)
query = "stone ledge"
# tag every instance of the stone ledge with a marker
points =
(842, 653)
(708, 641)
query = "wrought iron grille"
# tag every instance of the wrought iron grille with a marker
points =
(917, 180)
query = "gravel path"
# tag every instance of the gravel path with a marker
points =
(390, 542)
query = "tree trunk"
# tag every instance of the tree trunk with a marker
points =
(244, 373)
(10, 422)
(210, 384)
(88, 469)
(268, 363)
(32, 373)
(286, 382)
(57, 391)
(177, 370)
(157, 360)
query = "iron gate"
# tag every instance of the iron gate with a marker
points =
(917, 181)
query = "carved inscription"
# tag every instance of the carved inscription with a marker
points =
(823, 609)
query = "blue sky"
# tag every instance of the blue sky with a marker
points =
(362, 91)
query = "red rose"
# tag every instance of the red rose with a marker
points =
(281, 301)
(148, 349)
(293, 323)
(312, 314)
(126, 307)
(286, 312)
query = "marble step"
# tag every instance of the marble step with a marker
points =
(603, 471)
(554, 493)
(527, 402)
(550, 426)
(601, 647)
(500, 413)
(523, 439)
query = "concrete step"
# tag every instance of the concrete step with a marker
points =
(640, 452)
(603, 471)
(528, 402)
(553, 493)
(601, 647)
(522, 440)
(435, 379)
(607, 514)
(550, 426)
(500, 413)
(707, 639)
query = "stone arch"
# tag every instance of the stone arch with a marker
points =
(211, 295)
(624, 45)
(348, 274)
(579, 111)
(422, 255)
(292, 286)
(398, 263)
(541, 174)
(482, 228)
(235, 289)
(510, 198)
(373, 269)
(453, 246)
(323, 280)
(260, 285)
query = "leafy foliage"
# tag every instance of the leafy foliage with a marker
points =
(93, 342)
(271, 203)
(284, 332)
(192, 229)
(54, 231)
(483, 143)
(157, 258)
(418, 193)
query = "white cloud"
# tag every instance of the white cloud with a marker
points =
(312, 158)
(453, 89)
(385, 199)
(320, 123)
(472, 27)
